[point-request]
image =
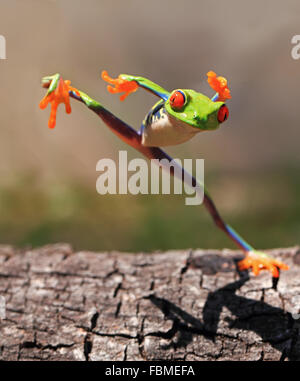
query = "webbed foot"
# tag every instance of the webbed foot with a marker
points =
(58, 92)
(258, 261)
(121, 84)
(219, 84)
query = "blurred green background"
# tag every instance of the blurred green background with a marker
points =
(48, 178)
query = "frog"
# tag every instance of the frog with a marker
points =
(178, 116)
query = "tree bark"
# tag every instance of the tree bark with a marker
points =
(177, 305)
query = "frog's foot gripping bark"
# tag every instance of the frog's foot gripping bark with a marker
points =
(121, 84)
(260, 261)
(58, 92)
(219, 84)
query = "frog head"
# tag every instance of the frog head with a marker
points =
(196, 109)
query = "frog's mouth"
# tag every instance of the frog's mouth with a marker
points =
(210, 123)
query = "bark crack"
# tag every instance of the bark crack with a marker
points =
(187, 305)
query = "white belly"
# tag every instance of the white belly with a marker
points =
(167, 131)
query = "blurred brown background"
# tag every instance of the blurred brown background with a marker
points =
(47, 182)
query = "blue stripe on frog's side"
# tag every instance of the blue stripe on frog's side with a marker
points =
(156, 112)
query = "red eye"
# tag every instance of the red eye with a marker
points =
(223, 114)
(177, 100)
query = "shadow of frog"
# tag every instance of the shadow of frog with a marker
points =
(274, 325)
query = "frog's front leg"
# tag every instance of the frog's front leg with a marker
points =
(127, 84)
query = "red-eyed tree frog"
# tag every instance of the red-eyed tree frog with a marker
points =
(175, 118)
(179, 115)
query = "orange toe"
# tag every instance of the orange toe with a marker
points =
(260, 261)
(121, 85)
(219, 84)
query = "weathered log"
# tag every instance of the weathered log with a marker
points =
(177, 305)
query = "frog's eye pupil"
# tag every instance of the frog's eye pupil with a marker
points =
(223, 113)
(177, 100)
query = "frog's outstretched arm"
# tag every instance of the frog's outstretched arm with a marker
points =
(128, 84)
(59, 92)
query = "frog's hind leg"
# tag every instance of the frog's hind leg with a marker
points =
(133, 138)
(256, 260)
